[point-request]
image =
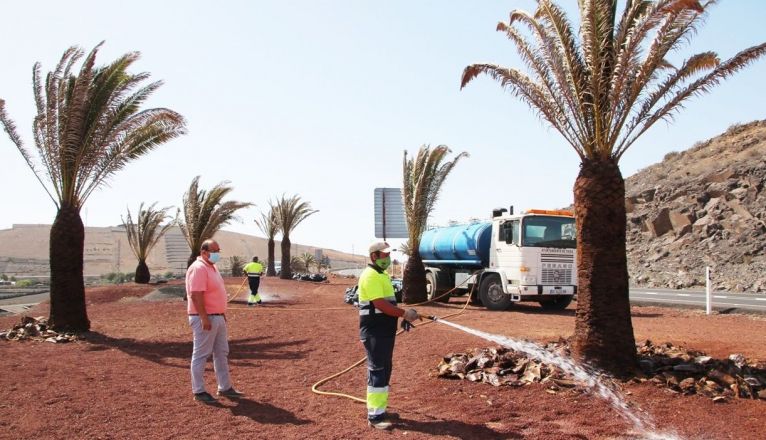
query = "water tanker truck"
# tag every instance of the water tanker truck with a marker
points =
(514, 257)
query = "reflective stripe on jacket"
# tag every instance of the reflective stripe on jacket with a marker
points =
(375, 284)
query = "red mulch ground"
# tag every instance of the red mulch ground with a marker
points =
(130, 377)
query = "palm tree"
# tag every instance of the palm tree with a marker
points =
(424, 175)
(205, 213)
(308, 260)
(144, 235)
(290, 212)
(323, 263)
(269, 225)
(88, 126)
(602, 89)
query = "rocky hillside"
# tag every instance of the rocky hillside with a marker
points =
(705, 206)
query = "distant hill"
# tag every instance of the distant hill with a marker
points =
(25, 251)
(705, 206)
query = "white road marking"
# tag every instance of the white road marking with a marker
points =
(718, 304)
(720, 297)
(760, 299)
(683, 294)
(651, 293)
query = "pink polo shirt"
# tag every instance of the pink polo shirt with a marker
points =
(204, 277)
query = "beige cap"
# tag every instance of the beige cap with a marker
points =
(379, 246)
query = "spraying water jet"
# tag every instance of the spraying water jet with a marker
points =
(642, 424)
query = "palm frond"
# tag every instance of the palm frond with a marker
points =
(423, 178)
(205, 212)
(89, 124)
(144, 233)
(268, 222)
(290, 212)
(604, 87)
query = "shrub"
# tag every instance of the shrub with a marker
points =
(24, 283)
(236, 263)
(670, 155)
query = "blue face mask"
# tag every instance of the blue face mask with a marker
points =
(214, 257)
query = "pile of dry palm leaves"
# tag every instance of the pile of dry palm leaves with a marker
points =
(501, 366)
(693, 372)
(35, 329)
(678, 369)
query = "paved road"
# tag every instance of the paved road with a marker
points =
(691, 298)
(687, 298)
(20, 304)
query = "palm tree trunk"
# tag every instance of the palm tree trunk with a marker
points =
(192, 258)
(414, 280)
(270, 270)
(603, 329)
(67, 241)
(286, 272)
(142, 273)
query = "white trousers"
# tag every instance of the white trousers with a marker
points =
(206, 342)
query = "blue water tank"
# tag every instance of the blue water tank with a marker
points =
(462, 244)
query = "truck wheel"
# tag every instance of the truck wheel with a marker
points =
(492, 295)
(557, 303)
(432, 288)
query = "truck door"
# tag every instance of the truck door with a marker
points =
(506, 248)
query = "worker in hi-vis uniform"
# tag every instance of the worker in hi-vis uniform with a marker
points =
(254, 270)
(378, 315)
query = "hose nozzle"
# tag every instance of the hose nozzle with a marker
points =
(431, 317)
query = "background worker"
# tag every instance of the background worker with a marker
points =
(253, 271)
(207, 316)
(378, 315)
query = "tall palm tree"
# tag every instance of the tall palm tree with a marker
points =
(290, 212)
(205, 213)
(423, 175)
(269, 225)
(602, 89)
(88, 126)
(144, 234)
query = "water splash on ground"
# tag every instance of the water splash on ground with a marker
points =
(642, 425)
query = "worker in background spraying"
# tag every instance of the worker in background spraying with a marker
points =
(378, 315)
(254, 270)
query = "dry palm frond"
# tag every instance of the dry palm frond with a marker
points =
(89, 124)
(603, 87)
(205, 212)
(423, 177)
(144, 233)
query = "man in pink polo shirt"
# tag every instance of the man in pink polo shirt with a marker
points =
(206, 295)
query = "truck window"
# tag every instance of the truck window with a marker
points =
(554, 232)
(516, 235)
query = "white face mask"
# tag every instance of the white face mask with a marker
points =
(214, 257)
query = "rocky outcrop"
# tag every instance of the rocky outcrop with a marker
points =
(702, 207)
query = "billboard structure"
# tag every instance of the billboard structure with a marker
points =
(390, 221)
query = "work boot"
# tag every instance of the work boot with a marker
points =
(231, 393)
(204, 397)
(380, 423)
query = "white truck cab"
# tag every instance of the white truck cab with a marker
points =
(529, 257)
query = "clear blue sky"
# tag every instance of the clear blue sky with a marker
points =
(320, 98)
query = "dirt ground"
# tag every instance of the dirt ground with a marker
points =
(129, 378)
